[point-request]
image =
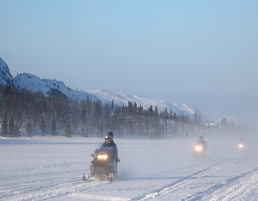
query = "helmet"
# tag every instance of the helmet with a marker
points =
(201, 138)
(108, 136)
(111, 134)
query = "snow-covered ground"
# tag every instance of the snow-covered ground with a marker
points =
(51, 168)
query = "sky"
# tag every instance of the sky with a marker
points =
(202, 53)
(51, 168)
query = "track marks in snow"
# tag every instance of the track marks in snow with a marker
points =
(43, 190)
(182, 183)
(48, 167)
(241, 187)
(45, 182)
(96, 197)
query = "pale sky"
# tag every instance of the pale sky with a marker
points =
(202, 53)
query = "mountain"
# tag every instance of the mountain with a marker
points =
(33, 83)
(122, 99)
(5, 75)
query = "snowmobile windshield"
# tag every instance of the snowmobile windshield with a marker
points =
(100, 144)
(109, 150)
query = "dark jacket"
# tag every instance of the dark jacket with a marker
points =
(203, 143)
(116, 154)
(114, 151)
(241, 141)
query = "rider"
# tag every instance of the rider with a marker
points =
(106, 146)
(202, 142)
(241, 141)
(109, 143)
(114, 144)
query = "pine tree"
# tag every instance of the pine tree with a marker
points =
(150, 111)
(11, 126)
(170, 114)
(29, 129)
(53, 126)
(130, 107)
(84, 113)
(42, 126)
(195, 119)
(16, 131)
(68, 130)
(4, 125)
(112, 107)
(97, 118)
(224, 123)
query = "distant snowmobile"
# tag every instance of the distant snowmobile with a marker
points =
(103, 166)
(199, 151)
(241, 145)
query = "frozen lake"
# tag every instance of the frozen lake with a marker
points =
(51, 168)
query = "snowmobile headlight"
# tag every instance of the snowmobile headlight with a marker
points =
(240, 145)
(198, 148)
(102, 157)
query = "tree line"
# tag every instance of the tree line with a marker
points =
(23, 112)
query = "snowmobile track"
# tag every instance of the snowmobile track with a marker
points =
(182, 182)
(51, 189)
(241, 187)
(53, 183)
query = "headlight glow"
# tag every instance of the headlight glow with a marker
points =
(102, 157)
(198, 148)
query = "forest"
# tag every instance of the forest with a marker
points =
(24, 113)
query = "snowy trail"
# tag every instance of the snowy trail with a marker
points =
(46, 189)
(42, 186)
(242, 187)
(182, 183)
(60, 165)
(54, 172)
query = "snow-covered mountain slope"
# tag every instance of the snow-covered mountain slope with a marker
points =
(121, 98)
(34, 84)
(5, 75)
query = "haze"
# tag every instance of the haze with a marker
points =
(201, 53)
(51, 168)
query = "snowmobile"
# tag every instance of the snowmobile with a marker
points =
(241, 145)
(199, 151)
(103, 166)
